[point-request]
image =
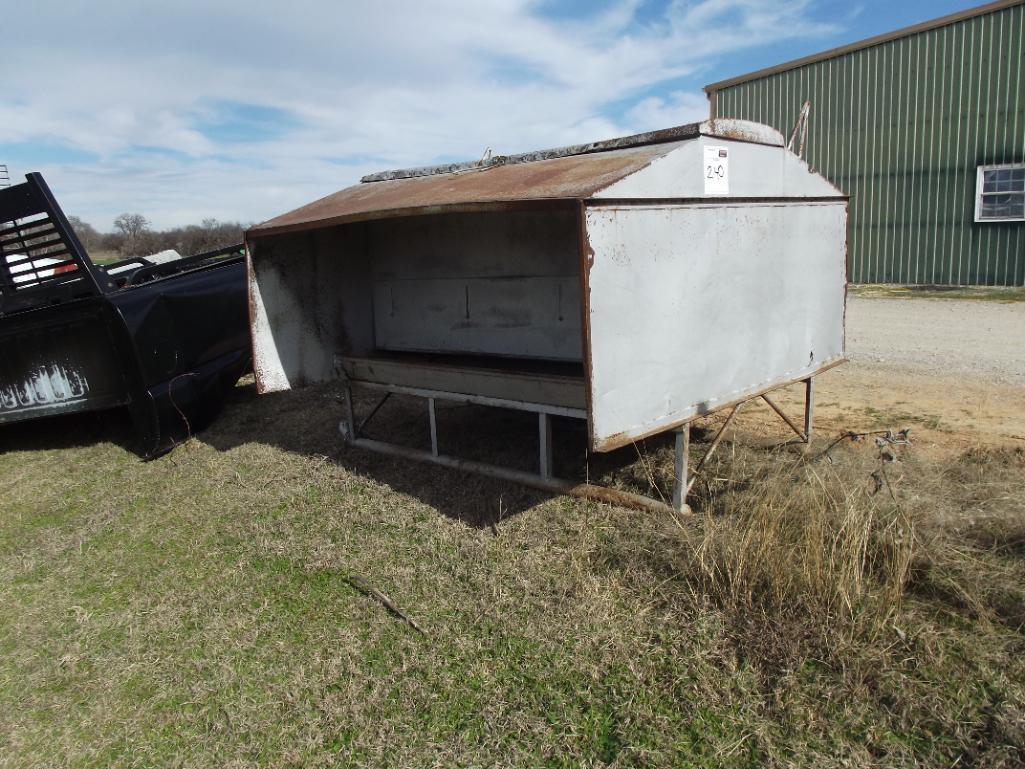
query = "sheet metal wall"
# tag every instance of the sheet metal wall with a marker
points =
(723, 298)
(901, 126)
(494, 283)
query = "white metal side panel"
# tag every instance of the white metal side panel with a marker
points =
(692, 307)
(266, 359)
(755, 170)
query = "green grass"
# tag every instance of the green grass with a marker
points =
(199, 610)
(105, 257)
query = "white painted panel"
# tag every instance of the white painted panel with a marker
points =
(310, 298)
(531, 317)
(755, 170)
(270, 373)
(695, 306)
(45, 385)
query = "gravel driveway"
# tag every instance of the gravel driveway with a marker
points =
(984, 340)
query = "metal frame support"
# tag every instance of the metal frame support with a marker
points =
(373, 412)
(348, 425)
(551, 485)
(544, 432)
(809, 407)
(433, 420)
(680, 485)
(544, 479)
(782, 415)
(684, 476)
(714, 445)
(801, 126)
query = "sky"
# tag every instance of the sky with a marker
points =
(244, 109)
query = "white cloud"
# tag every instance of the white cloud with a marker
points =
(368, 85)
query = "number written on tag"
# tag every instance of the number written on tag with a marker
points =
(717, 170)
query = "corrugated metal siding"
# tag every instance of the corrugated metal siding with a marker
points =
(901, 127)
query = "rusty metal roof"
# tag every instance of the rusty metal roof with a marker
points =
(568, 173)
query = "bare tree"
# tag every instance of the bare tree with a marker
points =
(87, 234)
(133, 227)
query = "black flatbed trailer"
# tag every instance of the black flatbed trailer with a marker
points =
(166, 341)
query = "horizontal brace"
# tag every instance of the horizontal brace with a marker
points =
(553, 485)
(479, 400)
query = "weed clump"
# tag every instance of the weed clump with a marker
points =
(803, 539)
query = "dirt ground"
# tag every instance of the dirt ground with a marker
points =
(951, 370)
(983, 340)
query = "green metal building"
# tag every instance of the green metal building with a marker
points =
(924, 128)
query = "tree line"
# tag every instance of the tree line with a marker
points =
(132, 235)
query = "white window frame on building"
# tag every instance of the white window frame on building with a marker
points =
(1002, 184)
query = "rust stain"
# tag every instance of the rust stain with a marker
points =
(567, 178)
(612, 496)
(586, 257)
(741, 130)
(251, 288)
(564, 174)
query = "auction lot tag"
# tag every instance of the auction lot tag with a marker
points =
(717, 171)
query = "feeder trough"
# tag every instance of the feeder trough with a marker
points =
(637, 283)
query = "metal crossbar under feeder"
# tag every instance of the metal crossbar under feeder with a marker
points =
(637, 284)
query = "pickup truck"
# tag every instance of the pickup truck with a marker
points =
(166, 341)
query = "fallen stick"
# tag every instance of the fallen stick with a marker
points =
(367, 589)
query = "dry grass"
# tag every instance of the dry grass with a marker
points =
(978, 293)
(807, 541)
(200, 610)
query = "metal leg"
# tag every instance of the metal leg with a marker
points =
(348, 424)
(434, 426)
(680, 485)
(809, 407)
(544, 431)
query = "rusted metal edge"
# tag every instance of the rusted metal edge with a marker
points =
(713, 202)
(586, 257)
(868, 42)
(479, 400)
(620, 440)
(251, 287)
(523, 204)
(738, 130)
(676, 133)
(552, 485)
(846, 272)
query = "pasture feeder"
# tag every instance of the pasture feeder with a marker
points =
(637, 283)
